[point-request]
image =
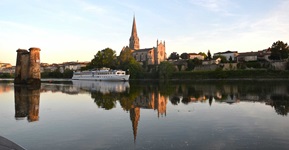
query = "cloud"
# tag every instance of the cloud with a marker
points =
(92, 8)
(219, 6)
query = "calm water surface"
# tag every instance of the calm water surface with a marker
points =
(122, 115)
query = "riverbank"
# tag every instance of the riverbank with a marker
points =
(208, 75)
(231, 75)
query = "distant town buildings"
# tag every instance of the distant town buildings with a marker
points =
(7, 68)
(195, 55)
(228, 54)
(45, 67)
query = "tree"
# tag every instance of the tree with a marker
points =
(209, 56)
(135, 69)
(103, 58)
(166, 69)
(230, 59)
(203, 54)
(184, 56)
(192, 63)
(174, 56)
(279, 50)
(125, 58)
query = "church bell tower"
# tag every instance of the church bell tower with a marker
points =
(134, 40)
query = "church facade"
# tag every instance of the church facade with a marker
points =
(150, 56)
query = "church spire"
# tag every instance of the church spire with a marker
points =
(134, 40)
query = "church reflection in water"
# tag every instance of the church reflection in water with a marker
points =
(106, 95)
(136, 97)
(27, 103)
(153, 101)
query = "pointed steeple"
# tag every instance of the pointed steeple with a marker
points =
(134, 40)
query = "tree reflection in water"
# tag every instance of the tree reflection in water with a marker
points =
(133, 97)
(148, 95)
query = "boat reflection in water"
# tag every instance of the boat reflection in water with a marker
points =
(104, 87)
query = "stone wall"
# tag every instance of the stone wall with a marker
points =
(211, 67)
(279, 65)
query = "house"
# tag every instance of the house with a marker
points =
(6, 68)
(74, 65)
(247, 56)
(264, 54)
(228, 55)
(61, 67)
(261, 55)
(194, 55)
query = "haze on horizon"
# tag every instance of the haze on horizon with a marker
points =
(74, 30)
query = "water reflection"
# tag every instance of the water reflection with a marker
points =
(273, 94)
(135, 97)
(101, 86)
(27, 102)
(155, 96)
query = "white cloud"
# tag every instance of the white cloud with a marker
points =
(219, 6)
(89, 7)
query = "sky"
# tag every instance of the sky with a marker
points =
(75, 30)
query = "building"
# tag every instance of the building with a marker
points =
(261, 55)
(149, 56)
(195, 55)
(7, 68)
(248, 56)
(75, 66)
(228, 55)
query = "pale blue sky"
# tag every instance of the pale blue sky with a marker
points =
(71, 30)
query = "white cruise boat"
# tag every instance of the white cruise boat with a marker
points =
(103, 74)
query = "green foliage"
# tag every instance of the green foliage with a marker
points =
(203, 54)
(105, 101)
(103, 58)
(166, 69)
(174, 56)
(67, 73)
(135, 70)
(279, 50)
(209, 56)
(230, 59)
(252, 64)
(232, 74)
(125, 59)
(184, 56)
(6, 75)
(192, 63)
(57, 74)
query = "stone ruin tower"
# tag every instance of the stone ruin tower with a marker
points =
(27, 69)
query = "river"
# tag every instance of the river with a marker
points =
(144, 115)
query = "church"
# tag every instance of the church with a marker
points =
(149, 56)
